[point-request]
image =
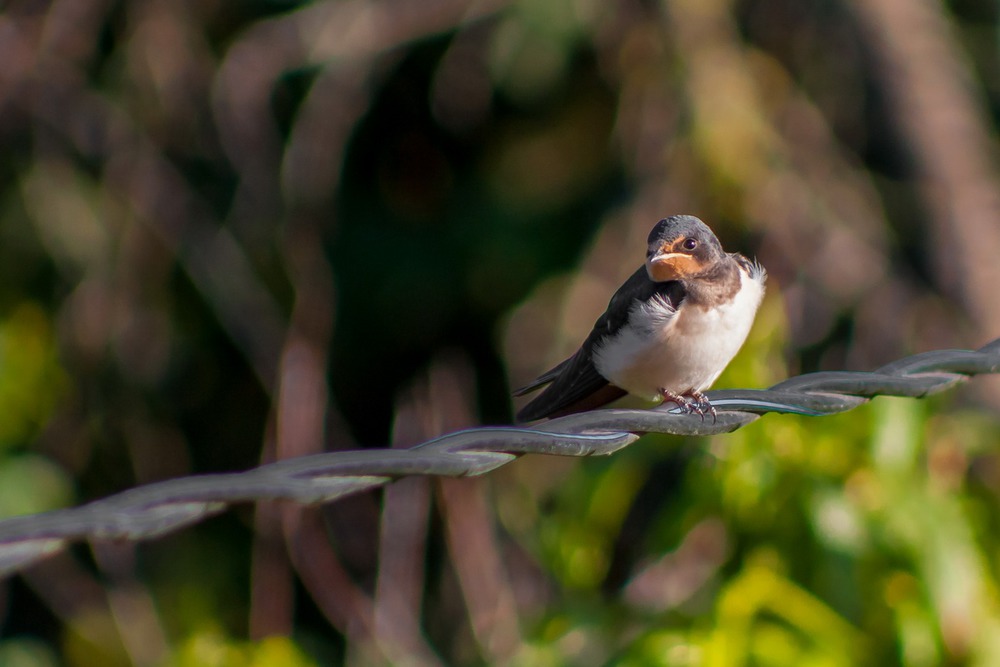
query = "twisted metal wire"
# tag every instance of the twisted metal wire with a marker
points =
(154, 509)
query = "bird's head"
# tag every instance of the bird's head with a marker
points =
(681, 247)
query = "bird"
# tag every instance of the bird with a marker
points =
(668, 332)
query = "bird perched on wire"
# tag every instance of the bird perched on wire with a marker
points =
(668, 332)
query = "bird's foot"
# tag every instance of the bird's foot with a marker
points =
(703, 405)
(691, 403)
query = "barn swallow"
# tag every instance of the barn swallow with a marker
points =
(668, 332)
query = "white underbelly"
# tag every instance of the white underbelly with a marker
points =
(685, 354)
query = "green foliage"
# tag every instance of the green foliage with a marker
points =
(23, 652)
(32, 381)
(209, 649)
(30, 483)
(31, 378)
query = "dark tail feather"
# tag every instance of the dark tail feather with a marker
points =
(551, 406)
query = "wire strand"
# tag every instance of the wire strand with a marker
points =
(152, 510)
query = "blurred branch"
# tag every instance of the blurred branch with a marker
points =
(945, 124)
(469, 528)
(403, 534)
(155, 509)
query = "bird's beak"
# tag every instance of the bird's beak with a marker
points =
(664, 266)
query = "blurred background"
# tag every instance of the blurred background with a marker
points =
(234, 232)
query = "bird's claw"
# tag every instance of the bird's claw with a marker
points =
(691, 403)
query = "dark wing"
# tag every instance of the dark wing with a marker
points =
(575, 384)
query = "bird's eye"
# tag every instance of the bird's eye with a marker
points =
(690, 244)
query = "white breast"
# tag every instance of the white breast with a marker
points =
(679, 352)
